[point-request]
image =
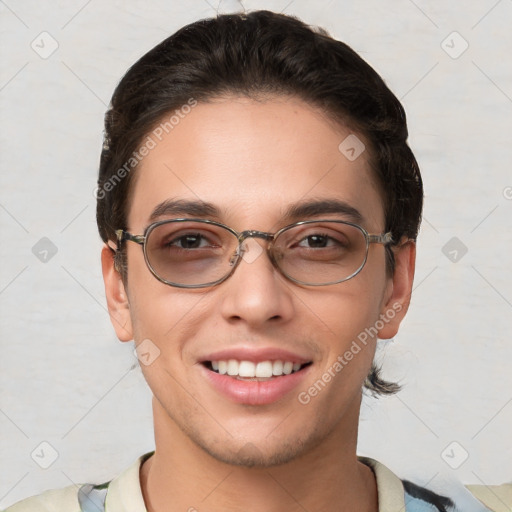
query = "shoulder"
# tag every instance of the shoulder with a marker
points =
(397, 494)
(497, 498)
(121, 493)
(400, 494)
(57, 500)
(421, 498)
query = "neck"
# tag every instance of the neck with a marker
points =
(182, 476)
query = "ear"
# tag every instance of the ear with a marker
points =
(399, 289)
(117, 299)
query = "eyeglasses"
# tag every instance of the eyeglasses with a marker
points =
(196, 253)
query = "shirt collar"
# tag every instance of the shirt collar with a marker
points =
(125, 493)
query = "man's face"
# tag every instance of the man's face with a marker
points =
(252, 160)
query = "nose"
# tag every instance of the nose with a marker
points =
(256, 292)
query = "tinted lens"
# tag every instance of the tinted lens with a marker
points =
(190, 253)
(321, 252)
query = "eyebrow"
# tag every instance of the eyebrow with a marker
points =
(184, 207)
(317, 207)
(294, 212)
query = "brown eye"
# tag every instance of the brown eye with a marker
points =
(188, 241)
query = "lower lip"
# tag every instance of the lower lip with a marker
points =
(252, 392)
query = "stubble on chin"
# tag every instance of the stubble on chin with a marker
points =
(268, 454)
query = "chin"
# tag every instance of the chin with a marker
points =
(250, 456)
(259, 453)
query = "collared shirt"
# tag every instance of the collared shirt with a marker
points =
(124, 494)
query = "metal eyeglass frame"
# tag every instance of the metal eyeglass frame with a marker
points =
(122, 235)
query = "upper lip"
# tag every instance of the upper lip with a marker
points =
(255, 355)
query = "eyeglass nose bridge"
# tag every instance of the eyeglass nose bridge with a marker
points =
(243, 236)
(253, 233)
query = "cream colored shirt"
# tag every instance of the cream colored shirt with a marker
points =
(124, 494)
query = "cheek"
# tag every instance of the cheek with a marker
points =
(352, 341)
(157, 310)
(168, 316)
(350, 307)
(343, 321)
(164, 323)
(347, 321)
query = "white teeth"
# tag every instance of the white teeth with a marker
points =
(264, 369)
(277, 368)
(233, 367)
(248, 369)
(223, 366)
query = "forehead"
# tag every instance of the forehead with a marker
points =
(253, 161)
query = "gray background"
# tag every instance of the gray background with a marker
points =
(66, 381)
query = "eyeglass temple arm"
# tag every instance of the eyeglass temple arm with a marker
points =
(385, 238)
(124, 235)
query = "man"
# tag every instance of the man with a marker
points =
(259, 206)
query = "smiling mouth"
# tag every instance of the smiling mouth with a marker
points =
(251, 371)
